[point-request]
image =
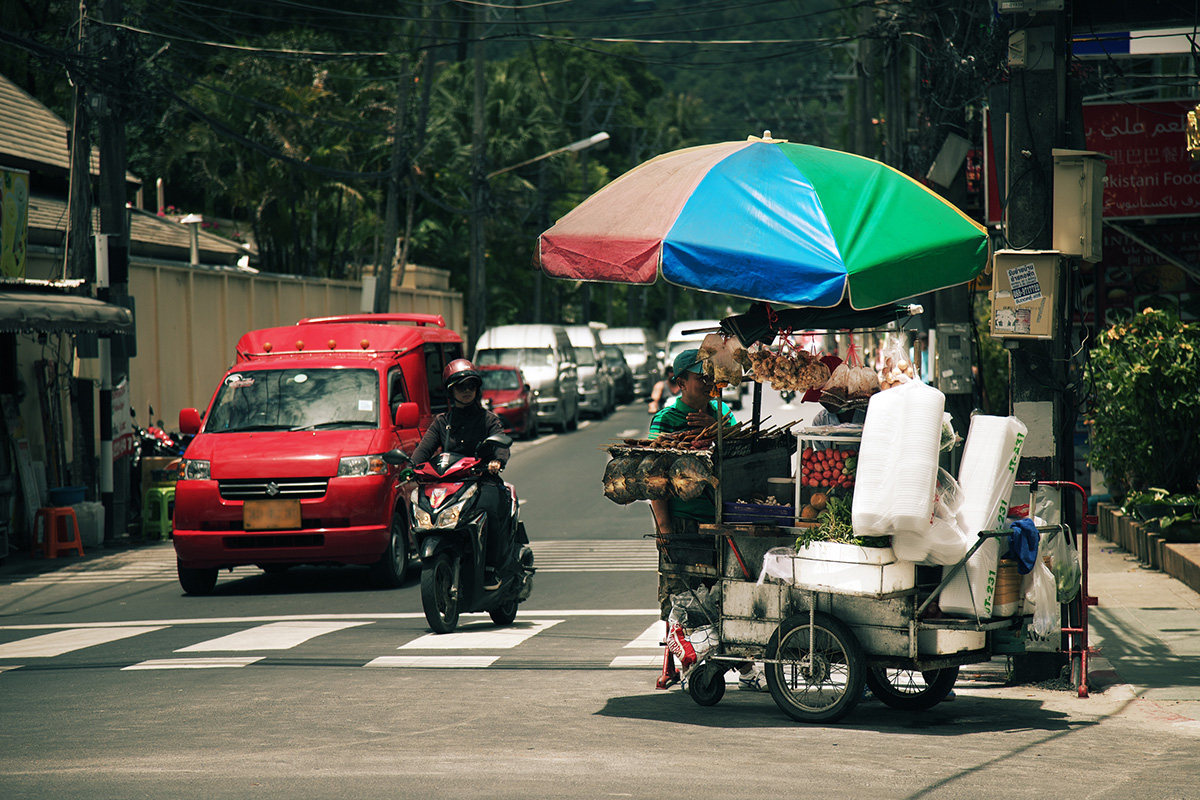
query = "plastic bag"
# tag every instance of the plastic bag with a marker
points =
(861, 381)
(950, 437)
(695, 608)
(1064, 565)
(1042, 595)
(895, 365)
(778, 563)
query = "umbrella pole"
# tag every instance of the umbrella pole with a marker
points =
(720, 456)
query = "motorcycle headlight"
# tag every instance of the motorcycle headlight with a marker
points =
(421, 518)
(448, 517)
(357, 466)
(193, 469)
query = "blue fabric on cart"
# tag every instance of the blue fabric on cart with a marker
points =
(1023, 544)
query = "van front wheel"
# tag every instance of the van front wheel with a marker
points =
(196, 580)
(389, 571)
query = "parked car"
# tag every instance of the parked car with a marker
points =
(684, 336)
(546, 358)
(595, 384)
(507, 394)
(622, 375)
(287, 465)
(638, 348)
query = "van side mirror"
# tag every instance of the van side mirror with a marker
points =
(189, 420)
(407, 415)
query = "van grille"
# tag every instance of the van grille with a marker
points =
(258, 489)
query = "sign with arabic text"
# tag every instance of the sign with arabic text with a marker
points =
(1150, 173)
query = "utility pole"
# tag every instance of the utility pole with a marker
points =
(1037, 124)
(1038, 370)
(477, 279)
(115, 230)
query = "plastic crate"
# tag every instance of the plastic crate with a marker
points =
(754, 512)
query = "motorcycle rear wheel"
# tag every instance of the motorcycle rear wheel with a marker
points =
(437, 594)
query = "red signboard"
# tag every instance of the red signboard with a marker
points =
(1149, 173)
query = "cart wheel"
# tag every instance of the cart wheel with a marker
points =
(910, 689)
(707, 683)
(815, 671)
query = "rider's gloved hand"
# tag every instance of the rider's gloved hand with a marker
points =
(494, 467)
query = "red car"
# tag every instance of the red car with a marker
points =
(506, 392)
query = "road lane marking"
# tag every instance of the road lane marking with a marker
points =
(49, 645)
(273, 636)
(195, 663)
(485, 638)
(434, 662)
(651, 637)
(637, 662)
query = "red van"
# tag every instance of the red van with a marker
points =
(286, 467)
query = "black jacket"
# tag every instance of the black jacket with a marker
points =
(460, 430)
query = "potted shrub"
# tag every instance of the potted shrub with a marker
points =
(1144, 412)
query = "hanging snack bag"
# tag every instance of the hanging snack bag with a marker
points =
(897, 367)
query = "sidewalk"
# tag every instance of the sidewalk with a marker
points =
(1147, 629)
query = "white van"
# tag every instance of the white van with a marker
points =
(638, 348)
(689, 334)
(595, 384)
(547, 358)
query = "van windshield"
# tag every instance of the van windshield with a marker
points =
(296, 400)
(516, 357)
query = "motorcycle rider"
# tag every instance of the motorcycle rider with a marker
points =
(461, 430)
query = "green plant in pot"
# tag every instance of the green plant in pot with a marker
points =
(1144, 410)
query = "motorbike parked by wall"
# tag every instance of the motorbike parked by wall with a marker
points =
(449, 530)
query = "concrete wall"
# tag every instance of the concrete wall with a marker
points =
(189, 321)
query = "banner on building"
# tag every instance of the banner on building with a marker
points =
(14, 221)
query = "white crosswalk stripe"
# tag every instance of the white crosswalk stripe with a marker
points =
(49, 645)
(595, 555)
(275, 636)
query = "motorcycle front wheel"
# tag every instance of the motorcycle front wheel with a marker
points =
(438, 597)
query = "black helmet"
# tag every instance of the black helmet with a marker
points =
(459, 370)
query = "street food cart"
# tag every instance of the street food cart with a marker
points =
(814, 239)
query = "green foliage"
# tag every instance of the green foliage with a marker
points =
(1144, 407)
(834, 525)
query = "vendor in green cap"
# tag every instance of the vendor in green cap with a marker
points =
(677, 521)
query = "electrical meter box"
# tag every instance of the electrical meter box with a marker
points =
(1024, 289)
(952, 358)
(1078, 203)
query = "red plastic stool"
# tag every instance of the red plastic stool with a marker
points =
(56, 531)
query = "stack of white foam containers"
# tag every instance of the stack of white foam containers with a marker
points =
(986, 476)
(898, 460)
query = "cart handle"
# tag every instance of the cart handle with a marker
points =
(983, 536)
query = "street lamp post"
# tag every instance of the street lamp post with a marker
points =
(477, 293)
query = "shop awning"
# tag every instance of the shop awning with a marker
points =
(35, 312)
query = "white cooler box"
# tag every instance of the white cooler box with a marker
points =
(835, 567)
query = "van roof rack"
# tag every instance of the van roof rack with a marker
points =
(418, 319)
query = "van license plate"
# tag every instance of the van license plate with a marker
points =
(271, 515)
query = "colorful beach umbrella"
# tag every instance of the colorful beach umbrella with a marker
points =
(769, 220)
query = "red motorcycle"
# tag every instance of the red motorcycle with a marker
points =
(449, 529)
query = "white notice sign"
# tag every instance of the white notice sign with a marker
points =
(1024, 282)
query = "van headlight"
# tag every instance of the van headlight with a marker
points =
(193, 469)
(357, 466)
